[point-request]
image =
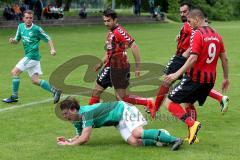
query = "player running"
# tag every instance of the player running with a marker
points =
(178, 60)
(116, 68)
(125, 117)
(206, 46)
(31, 35)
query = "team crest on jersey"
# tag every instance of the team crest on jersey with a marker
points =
(30, 33)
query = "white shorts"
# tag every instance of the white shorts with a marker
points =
(29, 65)
(131, 119)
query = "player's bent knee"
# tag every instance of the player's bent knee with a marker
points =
(137, 133)
(35, 82)
(167, 102)
(133, 141)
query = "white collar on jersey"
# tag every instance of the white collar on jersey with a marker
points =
(28, 27)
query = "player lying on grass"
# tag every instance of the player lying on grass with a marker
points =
(125, 117)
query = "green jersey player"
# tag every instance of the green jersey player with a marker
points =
(125, 117)
(30, 34)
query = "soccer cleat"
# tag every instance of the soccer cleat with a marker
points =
(151, 107)
(56, 95)
(224, 104)
(196, 140)
(146, 110)
(11, 99)
(176, 144)
(193, 132)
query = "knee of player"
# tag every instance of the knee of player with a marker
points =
(14, 73)
(137, 133)
(133, 141)
(35, 81)
(167, 102)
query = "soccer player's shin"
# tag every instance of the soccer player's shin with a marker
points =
(216, 95)
(133, 99)
(148, 142)
(157, 135)
(15, 85)
(45, 85)
(94, 100)
(179, 112)
(191, 110)
(163, 90)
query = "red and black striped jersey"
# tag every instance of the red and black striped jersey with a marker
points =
(117, 43)
(207, 44)
(184, 38)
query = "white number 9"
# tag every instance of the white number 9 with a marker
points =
(211, 53)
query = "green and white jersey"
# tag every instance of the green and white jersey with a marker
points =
(99, 115)
(31, 38)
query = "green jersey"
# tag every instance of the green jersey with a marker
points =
(31, 38)
(100, 114)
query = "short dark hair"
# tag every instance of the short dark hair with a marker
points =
(110, 13)
(187, 4)
(69, 103)
(28, 12)
(196, 13)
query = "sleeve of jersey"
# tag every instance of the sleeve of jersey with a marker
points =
(18, 34)
(43, 36)
(196, 43)
(78, 128)
(87, 122)
(222, 49)
(188, 29)
(123, 37)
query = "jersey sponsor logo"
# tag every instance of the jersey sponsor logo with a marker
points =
(30, 34)
(206, 39)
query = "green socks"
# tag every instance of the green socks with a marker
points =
(166, 138)
(157, 135)
(148, 142)
(15, 85)
(45, 85)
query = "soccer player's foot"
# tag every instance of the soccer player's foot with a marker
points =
(146, 109)
(56, 95)
(176, 144)
(11, 99)
(196, 140)
(193, 132)
(151, 107)
(224, 104)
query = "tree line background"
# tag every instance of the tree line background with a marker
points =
(214, 9)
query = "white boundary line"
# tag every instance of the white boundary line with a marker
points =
(30, 104)
(25, 105)
(48, 100)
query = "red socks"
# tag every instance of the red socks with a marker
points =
(161, 95)
(177, 110)
(133, 99)
(216, 95)
(94, 100)
(191, 110)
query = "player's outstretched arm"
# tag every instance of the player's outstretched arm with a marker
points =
(225, 83)
(100, 64)
(79, 140)
(52, 49)
(189, 63)
(136, 55)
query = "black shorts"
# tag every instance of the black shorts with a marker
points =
(175, 63)
(188, 91)
(118, 78)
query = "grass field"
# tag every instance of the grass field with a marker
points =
(30, 131)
